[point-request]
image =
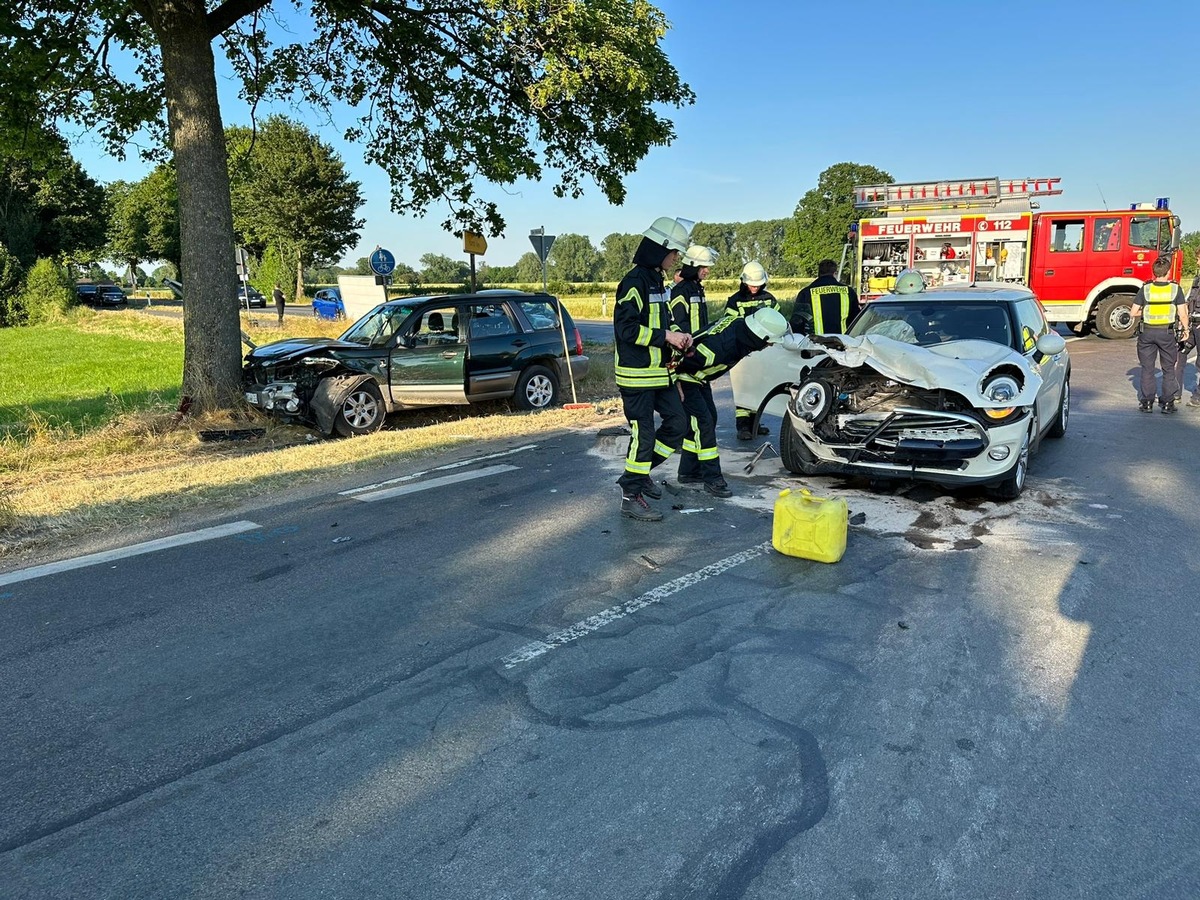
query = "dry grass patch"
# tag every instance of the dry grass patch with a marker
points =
(142, 468)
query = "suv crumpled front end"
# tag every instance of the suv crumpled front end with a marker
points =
(285, 379)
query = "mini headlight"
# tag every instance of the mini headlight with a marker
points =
(999, 413)
(1002, 389)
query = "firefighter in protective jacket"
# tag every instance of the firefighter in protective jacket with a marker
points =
(826, 306)
(644, 336)
(752, 295)
(714, 353)
(1162, 312)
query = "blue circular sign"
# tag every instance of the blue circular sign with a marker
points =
(382, 262)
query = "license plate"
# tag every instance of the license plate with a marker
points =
(252, 399)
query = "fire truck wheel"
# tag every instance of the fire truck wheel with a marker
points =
(1113, 319)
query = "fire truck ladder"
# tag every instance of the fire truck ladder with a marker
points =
(965, 192)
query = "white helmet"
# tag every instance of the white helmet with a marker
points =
(909, 282)
(754, 274)
(768, 323)
(670, 233)
(699, 255)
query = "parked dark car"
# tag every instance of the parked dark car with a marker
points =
(419, 352)
(111, 295)
(256, 299)
(87, 293)
(327, 304)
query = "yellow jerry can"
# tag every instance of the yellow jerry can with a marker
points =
(810, 527)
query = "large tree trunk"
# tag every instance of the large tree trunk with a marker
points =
(211, 330)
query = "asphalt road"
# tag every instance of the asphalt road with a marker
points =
(478, 681)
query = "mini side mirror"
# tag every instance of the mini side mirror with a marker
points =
(1051, 344)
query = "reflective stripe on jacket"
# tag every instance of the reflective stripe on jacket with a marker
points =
(640, 321)
(843, 295)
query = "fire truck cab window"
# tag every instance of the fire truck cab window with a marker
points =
(1067, 236)
(1149, 233)
(1107, 235)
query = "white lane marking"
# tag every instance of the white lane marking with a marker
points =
(415, 475)
(388, 493)
(621, 610)
(178, 540)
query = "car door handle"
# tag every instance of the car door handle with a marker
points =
(449, 354)
(519, 343)
(1049, 272)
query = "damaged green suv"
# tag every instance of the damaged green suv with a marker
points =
(420, 352)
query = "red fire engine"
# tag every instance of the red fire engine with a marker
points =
(1085, 267)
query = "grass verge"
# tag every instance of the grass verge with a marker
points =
(65, 480)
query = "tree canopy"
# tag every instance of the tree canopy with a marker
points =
(291, 191)
(49, 207)
(824, 214)
(447, 98)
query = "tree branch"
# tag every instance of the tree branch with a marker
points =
(224, 16)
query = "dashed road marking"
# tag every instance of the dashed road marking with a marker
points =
(415, 475)
(389, 493)
(92, 559)
(621, 610)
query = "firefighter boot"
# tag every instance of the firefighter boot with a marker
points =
(636, 507)
(1146, 405)
(1168, 407)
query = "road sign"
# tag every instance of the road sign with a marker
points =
(474, 243)
(542, 244)
(242, 258)
(382, 262)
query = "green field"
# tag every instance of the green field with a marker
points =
(80, 374)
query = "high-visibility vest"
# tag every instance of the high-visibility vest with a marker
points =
(1160, 305)
(815, 294)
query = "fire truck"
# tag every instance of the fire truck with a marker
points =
(1085, 267)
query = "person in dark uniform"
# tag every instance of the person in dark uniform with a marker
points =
(644, 335)
(1160, 310)
(689, 312)
(752, 295)
(714, 353)
(1187, 346)
(826, 306)
(280, 301)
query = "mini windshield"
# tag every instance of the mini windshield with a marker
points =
(924, 322)
(377, 327)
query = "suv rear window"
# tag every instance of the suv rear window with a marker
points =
(540, 313)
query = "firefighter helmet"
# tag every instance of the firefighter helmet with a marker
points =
(769, 324)
(754, 274)
(909, 282)
(670, 233)
(698, 255)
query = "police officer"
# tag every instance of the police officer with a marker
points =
(714, 353)
(1162, 310)
(752, 295)
(644, 337)
(1186, 347)
(826, 306)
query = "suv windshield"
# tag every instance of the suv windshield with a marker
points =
(377, 327)
(924, 322)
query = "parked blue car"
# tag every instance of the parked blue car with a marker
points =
(327, 304)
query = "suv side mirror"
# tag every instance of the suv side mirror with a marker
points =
(1051, 344)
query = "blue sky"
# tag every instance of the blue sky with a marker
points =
(1101, 94)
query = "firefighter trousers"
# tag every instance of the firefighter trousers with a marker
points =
(699, 459)
(647, 447)
(1158, 343)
